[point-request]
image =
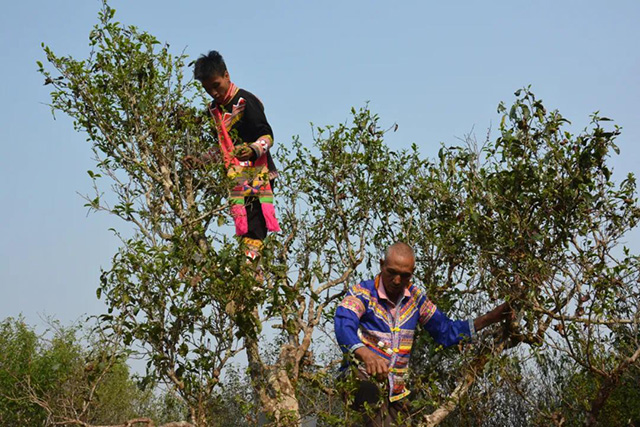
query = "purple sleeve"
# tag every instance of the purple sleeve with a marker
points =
(448, 332)
(347, 318)
(346, 324)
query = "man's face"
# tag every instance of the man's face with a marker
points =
(217, 86)
(396, 272)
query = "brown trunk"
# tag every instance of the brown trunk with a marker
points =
(279, 400)
(274, 388)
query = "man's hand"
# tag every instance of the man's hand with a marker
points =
(243, 152)
(501, 312)
(375, 365)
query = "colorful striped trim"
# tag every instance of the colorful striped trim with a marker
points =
(249, 180)
(262, 145)
(426, 311)
(354, 304)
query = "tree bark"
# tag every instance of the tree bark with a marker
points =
(275, 389)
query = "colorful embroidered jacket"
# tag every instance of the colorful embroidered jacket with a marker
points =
(246, 123)
(240, 119)
(366, 317)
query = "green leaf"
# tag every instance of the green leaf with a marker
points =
(183, 350)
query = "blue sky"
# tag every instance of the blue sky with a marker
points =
(438, 69)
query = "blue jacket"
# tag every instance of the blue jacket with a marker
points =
(365, 317)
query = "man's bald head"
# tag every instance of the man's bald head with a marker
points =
(399, 249)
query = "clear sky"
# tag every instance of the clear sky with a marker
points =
(438, 69)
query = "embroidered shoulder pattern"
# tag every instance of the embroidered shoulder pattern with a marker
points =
(426, 311)
(356, 299)
(354, 304)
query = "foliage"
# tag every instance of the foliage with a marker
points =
(178, 287)
(533, 218)
(166, 289)
(17, 346)
(53, 376)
